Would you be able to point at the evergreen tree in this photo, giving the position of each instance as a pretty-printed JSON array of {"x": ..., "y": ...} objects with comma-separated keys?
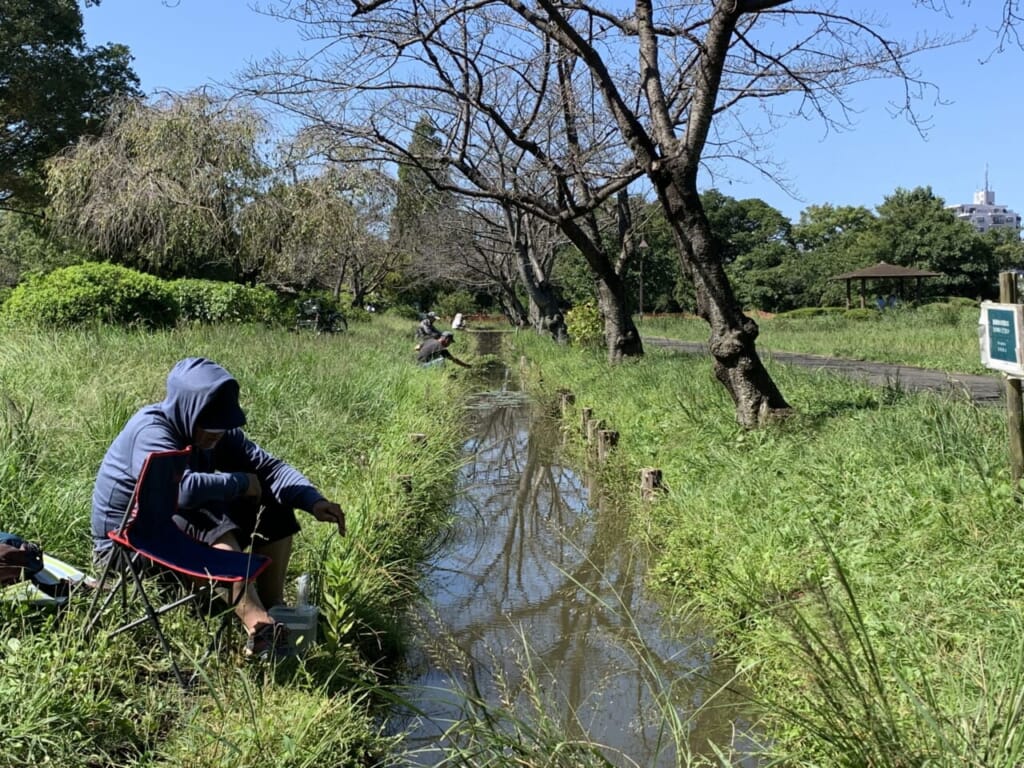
[{"x": 420, "y": 201}]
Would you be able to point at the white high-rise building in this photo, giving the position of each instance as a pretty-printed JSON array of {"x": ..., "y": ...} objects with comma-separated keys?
[{"x": 984, "y": 214}]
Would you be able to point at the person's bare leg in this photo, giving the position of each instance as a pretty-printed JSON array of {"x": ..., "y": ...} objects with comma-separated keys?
[
  {"x": 270, "y": 583},
  {"x": 249, "y": 609}
]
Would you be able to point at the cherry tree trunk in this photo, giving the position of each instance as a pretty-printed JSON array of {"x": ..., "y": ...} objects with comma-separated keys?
[
  {"x": 732, "y": 334},
  {"x": 621, "y": 336}
]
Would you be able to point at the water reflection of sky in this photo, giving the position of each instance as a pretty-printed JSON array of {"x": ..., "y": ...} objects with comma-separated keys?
[{"x": 529, "y": 568}]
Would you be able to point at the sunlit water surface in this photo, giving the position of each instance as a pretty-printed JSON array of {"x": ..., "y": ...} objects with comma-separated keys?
[{"x": 536, "y": 604}]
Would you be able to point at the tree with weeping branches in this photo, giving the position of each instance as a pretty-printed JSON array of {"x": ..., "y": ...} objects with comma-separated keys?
[{"x": 162, "y": 188}]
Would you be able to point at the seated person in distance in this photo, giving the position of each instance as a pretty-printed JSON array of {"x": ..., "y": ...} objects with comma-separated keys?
[{"x": 426, "y": 329}]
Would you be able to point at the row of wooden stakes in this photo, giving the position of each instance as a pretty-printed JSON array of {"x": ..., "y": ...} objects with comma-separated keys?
[{"x": 605, "y": 440}]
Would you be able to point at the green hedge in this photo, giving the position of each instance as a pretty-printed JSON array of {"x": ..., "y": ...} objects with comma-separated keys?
[
  {"x": 861, "y": 314},
  {"x": 811, "y": 312},
  {"x": 92, "y": 292},
  {"x": 210, "y": 301},
  {"x": 107, "y": 293}
]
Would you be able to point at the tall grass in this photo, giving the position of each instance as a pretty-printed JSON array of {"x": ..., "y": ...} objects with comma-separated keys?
[
  {"x": 863, "y": 560},
  {"x": 341, "y": 409}
]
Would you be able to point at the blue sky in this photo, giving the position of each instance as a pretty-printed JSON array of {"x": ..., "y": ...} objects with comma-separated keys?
[{"x": 184, "y": 45}]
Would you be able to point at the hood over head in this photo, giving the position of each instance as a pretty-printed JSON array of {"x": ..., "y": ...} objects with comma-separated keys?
[{"x": 201, "y": 393}]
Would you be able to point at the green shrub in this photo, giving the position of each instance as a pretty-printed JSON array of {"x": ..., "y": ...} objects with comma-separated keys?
[
  {"x": 452, "y": 303},
  {"x": 357, "y": 315},
  {"x": 91, "y": 292},
  {"x": 812, "y": 312},
  {"x": 861, "y": 314},
  {"x": 956, "y": 301},
  {"x": 212, "y": 301},
  {"x": 585, "y": 326}
]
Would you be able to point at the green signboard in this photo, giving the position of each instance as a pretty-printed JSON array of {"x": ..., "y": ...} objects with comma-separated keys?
[{"x": 1000, "y": 332}]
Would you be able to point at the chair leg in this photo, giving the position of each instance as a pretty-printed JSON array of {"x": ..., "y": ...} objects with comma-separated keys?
[
  {"x": 115, "y": 562},
  {"x": 121, "y": 562},
  {"x": 154, "y": 619}
]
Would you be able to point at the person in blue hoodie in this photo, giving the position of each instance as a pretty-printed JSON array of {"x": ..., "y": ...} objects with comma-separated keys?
[{"x": 233, "y": 495}]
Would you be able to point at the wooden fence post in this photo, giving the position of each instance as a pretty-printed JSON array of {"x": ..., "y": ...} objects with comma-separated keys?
[
  {"x": 565, "y": 402},
  {"x": 607, "y": 439},
  {"x": 1014, "y": 407},
  {"x": 650, "y": 483}
]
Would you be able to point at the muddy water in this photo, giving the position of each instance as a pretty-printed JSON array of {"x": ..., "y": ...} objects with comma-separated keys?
[{"x": 536, "y": 595}]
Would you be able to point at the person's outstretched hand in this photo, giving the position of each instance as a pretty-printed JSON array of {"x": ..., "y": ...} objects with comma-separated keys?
[{"x": 329, "y": 512}]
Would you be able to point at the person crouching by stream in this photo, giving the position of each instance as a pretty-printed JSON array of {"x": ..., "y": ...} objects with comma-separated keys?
[
  {"x": 233, "y": 494},
  {"x": 435, "y": 351}
]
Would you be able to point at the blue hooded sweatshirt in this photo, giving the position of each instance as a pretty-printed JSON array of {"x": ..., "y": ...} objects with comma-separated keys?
[{"x": 213, "y": 477}]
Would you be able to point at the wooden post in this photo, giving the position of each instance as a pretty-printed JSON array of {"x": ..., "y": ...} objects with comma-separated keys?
[
  {"x": 650, "y": 483},
  {"x": 593, "y": 427},
  {"x": 565, "y": 402},
  {"x": 587, "y": 414},
  {"x": 607, "y": 439},
  {"x": 1014, "y": 407}
]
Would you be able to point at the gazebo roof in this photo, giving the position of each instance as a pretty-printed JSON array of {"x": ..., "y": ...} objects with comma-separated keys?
[{"x": 883, "y": 270}]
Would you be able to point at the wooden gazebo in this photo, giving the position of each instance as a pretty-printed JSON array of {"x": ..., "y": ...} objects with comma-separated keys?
[{"x": 883, "y": 271}]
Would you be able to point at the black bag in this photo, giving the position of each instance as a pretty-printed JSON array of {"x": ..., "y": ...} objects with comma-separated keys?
[{"x": 19, "y": 559}]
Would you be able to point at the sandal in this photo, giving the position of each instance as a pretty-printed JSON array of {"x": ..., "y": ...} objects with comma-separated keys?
[{"x": 269, "y": 640}]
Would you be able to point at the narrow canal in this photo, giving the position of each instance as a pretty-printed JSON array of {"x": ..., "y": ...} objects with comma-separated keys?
[{"x": 536, "y": 607}]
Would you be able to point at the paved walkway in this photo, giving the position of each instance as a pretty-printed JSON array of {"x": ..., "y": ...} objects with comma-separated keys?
[{"x": 987, "y": 390}]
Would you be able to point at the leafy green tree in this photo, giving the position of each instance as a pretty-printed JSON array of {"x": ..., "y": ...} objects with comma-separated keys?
[
  {"x": 27, "y": 246},
  {"x": 755, "y": 242},
  {"x": 1007, "y": 247},
  {"x": 324, "y": 232},
  {"x": 53, "y": 90},
  {"x": 830, "y": 240},
  {"x": 162, "y": 189},
  {"x": 821, "y": 226},
  {"x": 914, "y": 229},
  {"x": 740, "y": 226}
]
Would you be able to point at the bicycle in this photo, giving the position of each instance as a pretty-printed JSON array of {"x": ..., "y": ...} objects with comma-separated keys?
[{"x": 314, "y": 316}]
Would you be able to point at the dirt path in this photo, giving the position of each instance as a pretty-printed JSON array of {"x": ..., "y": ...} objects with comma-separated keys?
[{"x": 986, "y": 390}]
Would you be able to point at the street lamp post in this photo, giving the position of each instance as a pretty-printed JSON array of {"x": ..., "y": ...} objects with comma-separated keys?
[{"x": 642, "y": 246}]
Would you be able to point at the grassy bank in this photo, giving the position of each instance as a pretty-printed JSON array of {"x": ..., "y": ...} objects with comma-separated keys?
[
  {"x": 863, "y": 561},
  {"x": 342, "y": 409},
  {"x": 939, "y": 336}
]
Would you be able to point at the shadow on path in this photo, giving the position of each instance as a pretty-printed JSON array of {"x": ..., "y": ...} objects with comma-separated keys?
[{"x": 984, "y": 390}]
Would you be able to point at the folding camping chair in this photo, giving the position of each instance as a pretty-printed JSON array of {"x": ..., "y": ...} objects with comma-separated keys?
[{"x": 148, "y": 537}]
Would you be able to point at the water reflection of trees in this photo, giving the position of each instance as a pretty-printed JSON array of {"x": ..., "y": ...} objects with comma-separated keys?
[{"x": 530, "y": 557}]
